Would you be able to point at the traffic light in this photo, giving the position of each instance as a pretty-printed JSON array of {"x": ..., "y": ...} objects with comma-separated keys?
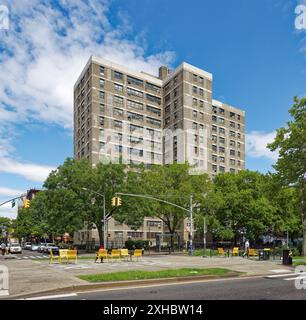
[
  {"x": 27, "y": 203},
  {"x": 116, "y": 201},
  {"x": 119, "y": 201},
  {"x": 13, "y": 203}
]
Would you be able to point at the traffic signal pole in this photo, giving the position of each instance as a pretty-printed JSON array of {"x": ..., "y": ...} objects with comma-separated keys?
[{"x": 172, "y": 204}]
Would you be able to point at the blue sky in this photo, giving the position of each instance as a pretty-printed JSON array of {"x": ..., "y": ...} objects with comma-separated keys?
[{"x": 257, "y": 57}]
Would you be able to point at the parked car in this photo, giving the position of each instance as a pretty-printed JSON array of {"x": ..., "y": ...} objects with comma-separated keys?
[
  {"x": 41, "y": 247},
  {"x": 34, "y": 247},
  {"x": 15, "y": 248},
  {"x": 27, "y": 246},
  {"x": 49, "y": 247}
]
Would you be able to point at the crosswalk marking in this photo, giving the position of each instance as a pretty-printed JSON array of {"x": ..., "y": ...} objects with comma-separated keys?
[
  {"x": 298, "y": 277},
  {"x": 280, "y": 275}
]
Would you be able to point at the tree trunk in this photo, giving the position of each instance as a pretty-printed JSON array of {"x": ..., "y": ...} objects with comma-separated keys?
[{"x": 100, "y": 232}]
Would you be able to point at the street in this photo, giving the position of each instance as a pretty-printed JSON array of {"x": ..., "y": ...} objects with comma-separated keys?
[
  {"x": 260, "y": 288},
  {"x": 25, "y": 255}
]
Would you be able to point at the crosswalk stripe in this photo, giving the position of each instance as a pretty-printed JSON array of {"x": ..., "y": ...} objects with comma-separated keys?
[
  {"x": 45, "y": 256},
  {"x": 299, "y": 277},
  {"x": 26, "y": 257},
  {"x": 280, "y": 275},
  {"x": 32, "y": 257}
]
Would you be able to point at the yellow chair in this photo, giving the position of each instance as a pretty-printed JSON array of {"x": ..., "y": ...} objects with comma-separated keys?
[
  {"x": 252, "y": 253},
  {"x": 72, "y": 255},
  {"x": 101, "y": 254},
  {"x": 137, "y": 254},
  {"x": 221, "y": 252},
  {"x": 124, "y": 254},
  {"x": 63, "y": 255},
  {"x": 115, "y": 254},
  {"x": 54, "y": 257},
  {"x": 235, "y": 251}
]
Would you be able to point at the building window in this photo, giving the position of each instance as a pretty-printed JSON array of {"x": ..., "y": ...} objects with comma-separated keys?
[
  {"x": 214, "y": 158},
  {"x": 154, "y": 110},
  {"x": 221, "y": 169},
  {"x": 135, "y": 116},
  {"x": 195, "y": 77},
  {"x": 201, "y": 115},
  {"x": 101, "y": 83},
  {"x": 153, "y": 121},
  {"x": 232, "y": 134},
  {"x": 194, "y": 90},
  {"x": 194, "y": 113},
  {"x": 222, "y": 159},
  {"x": 167, "y": 120},
  {"x": 118, "y": 112},
  {"x": 222, "y": 140},
  {"x": 232, "y": 162},
  {"x": 194, "y": 125},
  {"x": 214, "y": 118},
  {"x": 214, "y": 138},
  {"x": 102, "y": 71},
  {"x": 118, "y": 87},
  {"x": 214, "y": 148},
  {"x": 118, "y": 100},
  {"x": 118, "y": 75},
  {"x": 153, "y": 98},
  {"x": 221, "y": 120},
  {"x": 232, "y": 124},
  {"x": 133, "y": 92},
  {"x": 221, "y": 111},
  {"x": 101, "y": 95},
  {"x": 117, "y": 124},
  {"x": 214, "y": 128},
  {"x": 221, "y": 149},
  {"x": 222, "y": 131},
  {"x": 201, "y": 104},
  {"x": 232, "y": 152},
  {"x": 232, "y": 114},
  {"x": 194, "y": 101},
  {"x": 201, "y": 91},
  {"x": 238, "y": 116},
  {"x": 214, "y": 168},
  {"x": 102, "y": 146},
  {"x": 134, "y": 81},
  {"x": 232, "y": 170},
  {"x": 153, "y": 87},
  {"x": 134, "y": 105},
  {"x": 214, "y": 109},
  {"x": 232, "y": 143}
]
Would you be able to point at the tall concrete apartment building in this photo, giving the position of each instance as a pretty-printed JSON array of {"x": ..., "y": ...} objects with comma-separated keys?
[{"x": 172, "y": 117}]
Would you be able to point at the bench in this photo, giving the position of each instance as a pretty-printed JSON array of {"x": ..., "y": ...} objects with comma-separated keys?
[
  {"x": 54, "y": 257},
  {"x": 252, "y": 253},
  {"x": 124, "y": 254},
  {"x": 235, "y": 251},
  {"x": 137, "y": 254},
  {"x": 101, "y": 254},
  {"x": 115, "y": 253},
  {"x": 72, "y": 255},
  {"x": 221, "y": 251}
]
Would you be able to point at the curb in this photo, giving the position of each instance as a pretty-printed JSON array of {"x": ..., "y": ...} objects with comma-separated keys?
[{"x": 120, "y": 284}]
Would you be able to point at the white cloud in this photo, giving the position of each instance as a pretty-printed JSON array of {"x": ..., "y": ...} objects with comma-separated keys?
[
  {"x": 42, "y": 55},
  {"x": 46, "y": 49},
  {"x": 7, "y": 211},
  {"x": 256, "y": 145},
  {"x": 10, "y": 192},
  {"x": 30, "y": 171}
]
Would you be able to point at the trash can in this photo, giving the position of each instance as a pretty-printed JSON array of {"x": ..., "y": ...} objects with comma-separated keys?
[
  {"x": 287, "y": 259},
  {"x": 263, "y": 254}
]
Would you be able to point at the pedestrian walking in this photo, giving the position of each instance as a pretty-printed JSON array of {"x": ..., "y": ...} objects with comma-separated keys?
[
  {"x": 3, "y": 247},
  {"x": 246, "y": 247}
]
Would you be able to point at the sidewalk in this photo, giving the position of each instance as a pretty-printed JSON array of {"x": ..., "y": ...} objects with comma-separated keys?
[{"x": 29, "y": 277}]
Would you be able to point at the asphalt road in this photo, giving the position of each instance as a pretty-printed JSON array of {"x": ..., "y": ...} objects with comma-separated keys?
[
  {"x": 25, "y": 255},
  {"x": 260, "y": 288}
]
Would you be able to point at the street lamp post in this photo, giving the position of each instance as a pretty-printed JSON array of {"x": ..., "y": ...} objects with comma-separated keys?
[
  {"x": 104, "y": 219},
  {"x": 204, "y": 232},
  {"x": 191, "y": 227}
]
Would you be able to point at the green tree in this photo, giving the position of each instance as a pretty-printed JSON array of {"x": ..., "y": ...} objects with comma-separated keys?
[
  {"x": 290, "y": 141},
  {"x": 245, "y": 209}
]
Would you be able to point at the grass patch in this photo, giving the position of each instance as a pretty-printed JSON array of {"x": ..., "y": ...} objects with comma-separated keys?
[{"x": 169, "y": 273}]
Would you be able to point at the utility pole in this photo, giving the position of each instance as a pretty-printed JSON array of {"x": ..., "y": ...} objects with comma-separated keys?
[{"x": 191, "y": 227}]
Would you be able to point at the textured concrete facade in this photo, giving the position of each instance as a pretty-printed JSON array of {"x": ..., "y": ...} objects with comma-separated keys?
[{"x": 141, "y": 118}]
